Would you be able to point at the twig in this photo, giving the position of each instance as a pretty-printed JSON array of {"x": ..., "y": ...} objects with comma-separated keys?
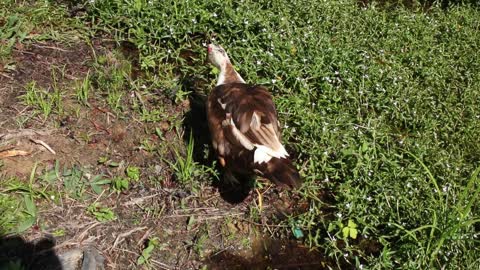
[
  {"x": 210, "y": 216},
  {"x": 122, "y": 236},
  {"x": 140, "y": 200},
  {"x": 162, "y": 265},
  {"x": 106, "y": 112},
  {"x": 137, "y": 94},
  {"x": 44, "y": 145},
  {"x": 6, "y": 76},
  {"x": 50, "y": 47},
  {"x": 13, "y": 153},
  {"x": 24, "y": 133},
  {"x": 82, "y": 235},
  {"x": 145, "y": 236}
]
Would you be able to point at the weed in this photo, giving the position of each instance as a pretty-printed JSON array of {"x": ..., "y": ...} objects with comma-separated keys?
[
  {"x": 74, "y": 182},
  {"x": 112, "y": 73},
  {"x": 186, "y": 169},
  {"x": 83, "y": 90},
  {"x": 102, "y": 214},
  {"x": 43, "y": 101},
  {"x": 120, "y": 184},
  {"x": 133, "y": 173},
  {"x": 153, "y": 243}
]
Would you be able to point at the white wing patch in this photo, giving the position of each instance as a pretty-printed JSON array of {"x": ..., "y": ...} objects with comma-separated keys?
[
  {"x": 240, "y": 137},
  {"x": 262, "y": 153},
  {"x": 224, "y": 105}
]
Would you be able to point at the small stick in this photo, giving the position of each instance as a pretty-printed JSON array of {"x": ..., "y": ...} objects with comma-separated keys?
[
  {"x": 44, "y": 145},
  {"x": 13, "y": 153},
  {"x": 140, "y": 200},
  {"x": 50, "y": 47},
  {"x": 24, "y": 133},
  {"x": 122, "y": 236},
  {"x": 145, "y": 236}
]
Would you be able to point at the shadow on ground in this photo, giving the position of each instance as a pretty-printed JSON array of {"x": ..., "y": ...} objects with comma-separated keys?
[
  {"x": 270, "y": 253},
  {"x": 16, "y": 253}
]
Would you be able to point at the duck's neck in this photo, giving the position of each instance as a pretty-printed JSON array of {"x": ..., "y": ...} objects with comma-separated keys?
[{"x": 228, "y": 75}]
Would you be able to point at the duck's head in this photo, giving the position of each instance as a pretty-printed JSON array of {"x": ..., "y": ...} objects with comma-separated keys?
[{"x": 217, "y": 56}]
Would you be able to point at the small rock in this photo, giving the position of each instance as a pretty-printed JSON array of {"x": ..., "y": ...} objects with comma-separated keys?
[{"x": 71, "y": 260}]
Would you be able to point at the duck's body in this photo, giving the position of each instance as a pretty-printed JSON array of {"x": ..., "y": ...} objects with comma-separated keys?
[{"x": 243, "y": 123}]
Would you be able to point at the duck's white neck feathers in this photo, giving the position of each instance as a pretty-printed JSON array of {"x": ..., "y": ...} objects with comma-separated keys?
[
  {"x": 228, "y": 74},
  {"x": 218, "y": 57}
]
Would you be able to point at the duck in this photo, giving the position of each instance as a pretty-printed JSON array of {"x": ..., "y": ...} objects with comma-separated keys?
[{"x": 244, "y": 127}]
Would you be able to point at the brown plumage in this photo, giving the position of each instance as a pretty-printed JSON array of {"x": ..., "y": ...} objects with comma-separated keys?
[{"x": 243, "y": 123}]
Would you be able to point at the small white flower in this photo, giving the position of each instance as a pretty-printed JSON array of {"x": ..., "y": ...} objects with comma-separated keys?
[
  {"x": 274, "y": 81},
  {"x": 259, "y": 62},
  {"x": 214, "y": 14}
]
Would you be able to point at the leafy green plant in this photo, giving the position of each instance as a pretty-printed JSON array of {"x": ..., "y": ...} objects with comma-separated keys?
[
  {"x": 120, "y": 184},
  {"x": 30, "y": 212},
  {"x": 133, "y": 173},
  {"x": 102, "y": 214},
  {"x": 147, "y": 251},
  {"x": 11, "y": 213},
  {"x": 74, "y": 182},
  {"x": 97, "y": 182}
]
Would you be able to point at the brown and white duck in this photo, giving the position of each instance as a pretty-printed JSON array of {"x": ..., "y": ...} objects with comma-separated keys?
[{"x": 243, "y": 124}]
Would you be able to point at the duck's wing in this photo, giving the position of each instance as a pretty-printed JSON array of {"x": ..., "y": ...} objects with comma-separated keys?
[{"x": 250, "y": 119}]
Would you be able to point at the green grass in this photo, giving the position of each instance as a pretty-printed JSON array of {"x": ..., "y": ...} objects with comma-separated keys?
[
  {"x": 380, "y": 105},
  {"x": 22, "y": 22},
  {"x": 43, "y": 101}
]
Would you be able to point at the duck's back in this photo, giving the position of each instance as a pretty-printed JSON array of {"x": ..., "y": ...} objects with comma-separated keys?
[{"x": 245, "y": 132}]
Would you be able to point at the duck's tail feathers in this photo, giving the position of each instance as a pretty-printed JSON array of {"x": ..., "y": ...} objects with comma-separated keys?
[{"x": 280, "y": 171}]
